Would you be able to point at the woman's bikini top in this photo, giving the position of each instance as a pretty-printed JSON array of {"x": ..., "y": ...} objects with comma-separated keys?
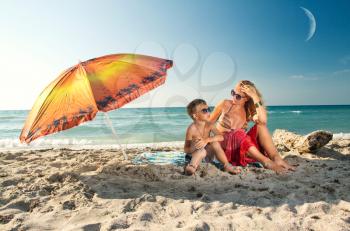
[{"x": 224, "y": 122}]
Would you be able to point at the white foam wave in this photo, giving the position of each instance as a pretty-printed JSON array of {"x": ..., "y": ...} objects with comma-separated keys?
[
  {"x": 15, "y": 143},
  {"x": 341, "y": 135},
  {"x": 283, "y": 112},
  {"x": 8, "y": 144}
]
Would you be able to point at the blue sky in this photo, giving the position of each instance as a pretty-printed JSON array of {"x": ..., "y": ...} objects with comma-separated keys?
[{"x": 213, "y": 44}]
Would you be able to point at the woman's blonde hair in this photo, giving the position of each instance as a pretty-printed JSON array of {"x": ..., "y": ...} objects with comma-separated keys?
[{"x": 249, "y": 106}]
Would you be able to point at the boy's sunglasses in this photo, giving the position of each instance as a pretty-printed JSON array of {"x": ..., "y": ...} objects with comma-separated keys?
[
  {"x": 237, "y": 96},
  {"x": 205, "y": 110}
]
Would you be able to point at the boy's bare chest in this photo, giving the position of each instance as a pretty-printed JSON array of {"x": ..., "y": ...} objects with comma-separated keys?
[{"x": 202, "y": 132}]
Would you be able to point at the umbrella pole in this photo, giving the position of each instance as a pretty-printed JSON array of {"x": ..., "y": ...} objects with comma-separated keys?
[{"x": 109, "y": 123}]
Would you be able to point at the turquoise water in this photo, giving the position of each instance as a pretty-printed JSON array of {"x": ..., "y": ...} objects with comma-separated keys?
[{"x": 149, "y": 125}]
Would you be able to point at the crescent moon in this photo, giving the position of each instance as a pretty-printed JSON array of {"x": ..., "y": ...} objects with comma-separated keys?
[{"x": 312, "y": 23}]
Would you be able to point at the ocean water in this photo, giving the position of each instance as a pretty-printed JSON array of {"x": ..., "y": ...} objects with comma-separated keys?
[{"x": 152, "y": 125}]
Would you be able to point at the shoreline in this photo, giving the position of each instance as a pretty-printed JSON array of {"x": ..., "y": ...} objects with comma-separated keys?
[
  {"x": 77, "y": 146},
  {"x": 171, "y": 144}
]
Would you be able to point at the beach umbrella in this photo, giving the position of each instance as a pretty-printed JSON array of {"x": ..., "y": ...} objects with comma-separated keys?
[{"x": 100, "y": 84}]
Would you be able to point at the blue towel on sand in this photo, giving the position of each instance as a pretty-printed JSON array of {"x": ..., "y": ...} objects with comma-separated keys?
[{"x": 176, "y": 158}]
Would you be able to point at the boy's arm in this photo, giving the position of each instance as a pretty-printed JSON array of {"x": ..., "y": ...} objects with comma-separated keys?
[
  {"x": 217, "y": 136},
  {"x": 188, "y": 140}
]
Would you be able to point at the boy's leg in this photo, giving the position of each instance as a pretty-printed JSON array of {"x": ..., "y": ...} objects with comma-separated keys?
[
  {"x": 210, "y": 153},
  {"x": 216, "y": 149},
  {"x": 254, "y": 153},
  {"x": 197, "y": 157}
]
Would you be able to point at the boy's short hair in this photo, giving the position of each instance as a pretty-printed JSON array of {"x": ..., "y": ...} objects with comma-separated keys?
[{"x": 192, "y": 105}]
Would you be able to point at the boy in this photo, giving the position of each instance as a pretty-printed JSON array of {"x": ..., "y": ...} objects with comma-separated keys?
[{"x": 199, "y": 144}]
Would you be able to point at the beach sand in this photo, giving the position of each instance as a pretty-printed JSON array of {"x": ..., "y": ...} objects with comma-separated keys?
[{"x": 96, "y": 189}]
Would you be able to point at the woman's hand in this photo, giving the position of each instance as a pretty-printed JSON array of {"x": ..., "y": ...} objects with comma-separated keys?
[
  {"x": 255, "y": 118},
  {"x": 261, "y": 114},
  {"x": 250, "y": 91},
  {"x": 279, "y": 161}
]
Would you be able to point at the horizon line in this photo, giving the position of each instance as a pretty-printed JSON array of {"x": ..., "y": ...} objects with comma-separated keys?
[{"x": 285, "y": 105}]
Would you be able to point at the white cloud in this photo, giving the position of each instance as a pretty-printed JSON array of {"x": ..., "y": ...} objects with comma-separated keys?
[
  {"x": 345, "y": 60},
  {"x": 303, "y": 77},
  {"x": 296, "y": 77},
  {"x": 342, "y": 73}
]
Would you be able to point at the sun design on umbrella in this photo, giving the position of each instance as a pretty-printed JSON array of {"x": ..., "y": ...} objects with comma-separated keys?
[{"x": 99, "y": 84}]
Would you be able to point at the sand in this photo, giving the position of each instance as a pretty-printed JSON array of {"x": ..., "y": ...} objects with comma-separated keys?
[{"x": 96, "y": 189}]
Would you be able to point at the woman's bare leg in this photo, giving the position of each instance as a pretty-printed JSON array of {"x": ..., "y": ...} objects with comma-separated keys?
[
  {"x": 216, "y": 149},
  {"x": 265, "y": 140},
  {"x": 254, "y": 153}
]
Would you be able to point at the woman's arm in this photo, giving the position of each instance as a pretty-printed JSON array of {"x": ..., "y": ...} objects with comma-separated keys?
[
  {"x": 261, "y": 115},
  {"x": 217, "y": 112}
]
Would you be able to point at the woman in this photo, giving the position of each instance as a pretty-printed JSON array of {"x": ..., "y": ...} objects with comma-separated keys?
[{"x": 232, "y": 117}]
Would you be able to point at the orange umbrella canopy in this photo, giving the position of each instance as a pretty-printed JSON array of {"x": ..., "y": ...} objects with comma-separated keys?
[{"x": 99, "y": 84}]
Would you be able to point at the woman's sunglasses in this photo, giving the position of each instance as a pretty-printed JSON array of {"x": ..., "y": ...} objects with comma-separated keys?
[
  {"x": 237, "y": 96},
  {"x": 205, "y": 110}
]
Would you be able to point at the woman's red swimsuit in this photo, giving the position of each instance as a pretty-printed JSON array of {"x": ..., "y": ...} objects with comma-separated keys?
[{"x": 236, "y": 144}]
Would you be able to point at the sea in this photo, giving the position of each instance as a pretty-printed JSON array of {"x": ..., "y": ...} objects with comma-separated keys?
[{"x": 168, "y": 124}]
